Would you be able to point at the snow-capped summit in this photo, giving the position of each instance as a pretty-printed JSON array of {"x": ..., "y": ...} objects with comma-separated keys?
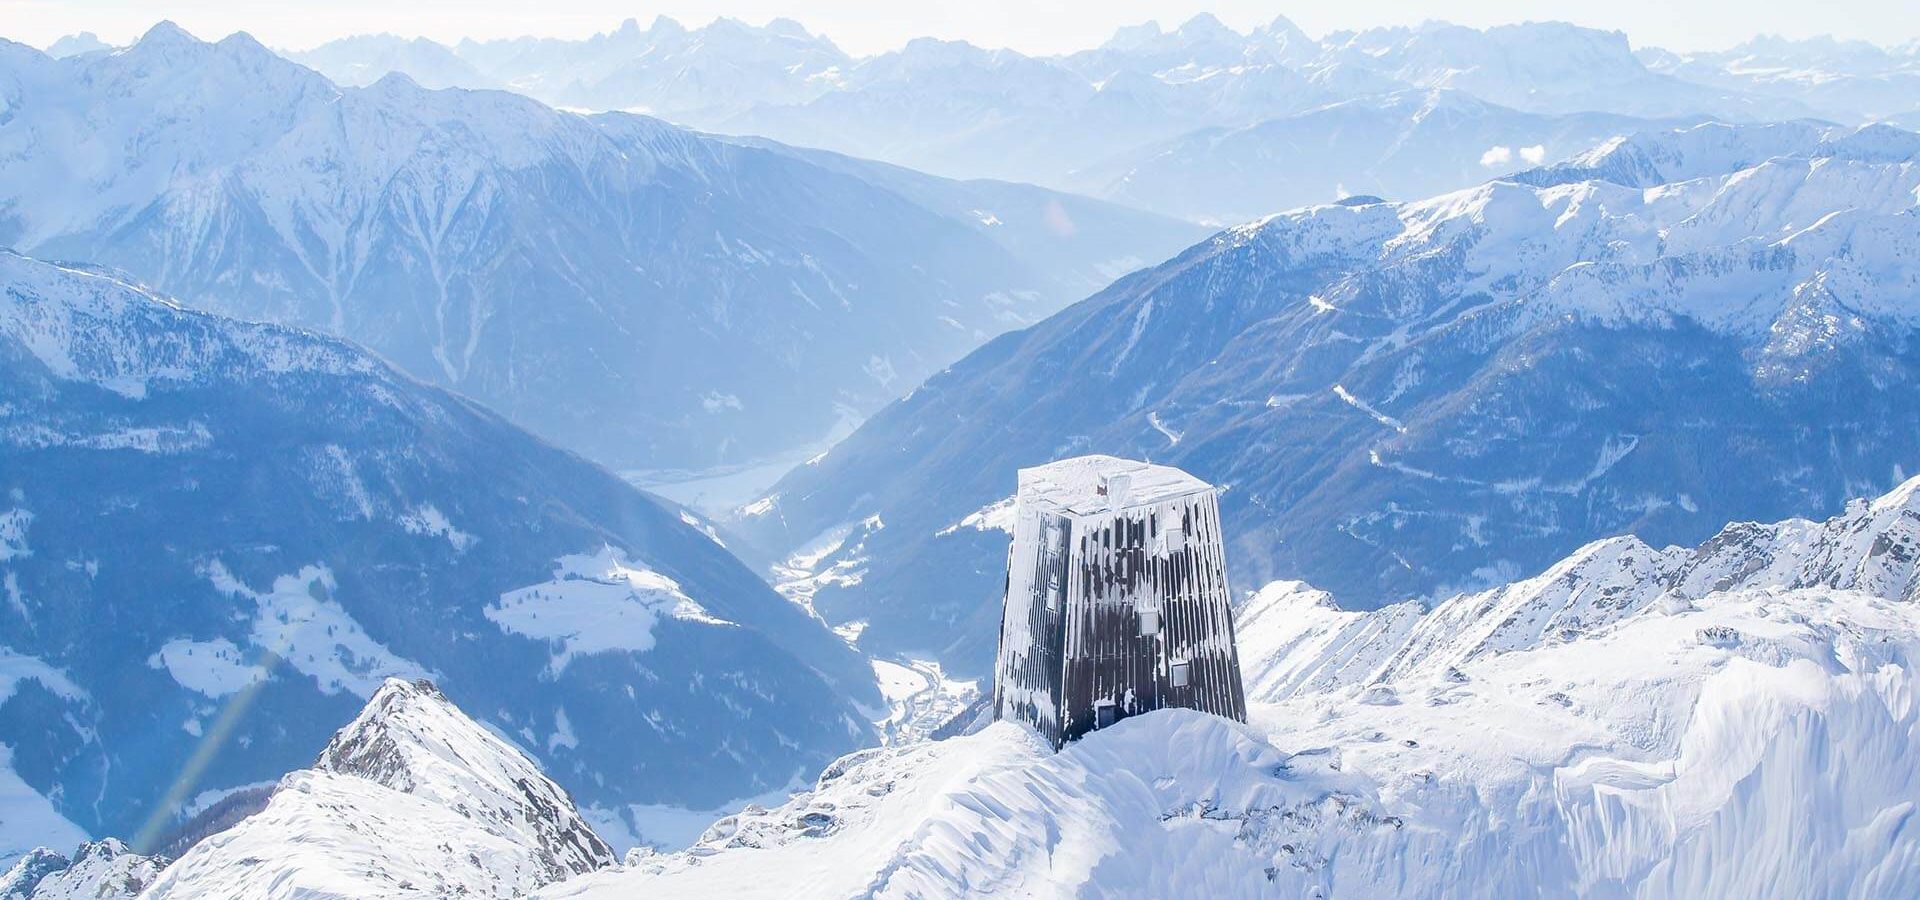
[
  {"x": 412, "y": 739},
  {"x": 411, "y": 799}
]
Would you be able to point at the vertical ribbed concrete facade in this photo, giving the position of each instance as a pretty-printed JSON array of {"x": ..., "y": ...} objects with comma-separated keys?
[{"x": 1116, "y": 600}]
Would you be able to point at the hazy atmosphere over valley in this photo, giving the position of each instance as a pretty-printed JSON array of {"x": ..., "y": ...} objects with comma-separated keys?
[{"x": 833, "y": 449}]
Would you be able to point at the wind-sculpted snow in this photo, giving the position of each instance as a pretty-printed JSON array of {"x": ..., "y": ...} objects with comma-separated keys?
[
  {"x": 411, "y": 799},
  {"x": 590, "y": 277},
  {"x": 1630, "y": 723},
  {"x": 230, "y": 599},
  {"x": 1404, "y": 399}
]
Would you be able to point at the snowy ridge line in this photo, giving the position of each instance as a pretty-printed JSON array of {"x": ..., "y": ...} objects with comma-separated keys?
[
  {"x": 96, "y": 327},
  {"x": 1301, "y": 641}
]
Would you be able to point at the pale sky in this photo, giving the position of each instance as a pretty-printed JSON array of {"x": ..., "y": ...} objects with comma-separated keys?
[{"x": 870, "y": 26}]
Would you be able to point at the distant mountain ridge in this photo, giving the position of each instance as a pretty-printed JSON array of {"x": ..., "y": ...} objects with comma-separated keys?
[
  {"x": 650, "y": 297},
  {"x": 1137, "y": 119},
  {"x": 1408, "y": 399}
]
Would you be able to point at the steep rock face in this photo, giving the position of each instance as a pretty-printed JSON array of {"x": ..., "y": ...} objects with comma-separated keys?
[
  {"x": 411, "y": 799},
  {"x": 1405, "y": 399},
  {"x": 645, "y": 295},
  {"x": 218, "y": 537}
]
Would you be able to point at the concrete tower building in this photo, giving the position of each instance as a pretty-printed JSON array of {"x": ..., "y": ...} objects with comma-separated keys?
[{"x": 1117, "y": 599}]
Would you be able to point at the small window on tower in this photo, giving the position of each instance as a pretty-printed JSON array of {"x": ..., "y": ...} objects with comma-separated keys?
[
  {"x": 1181, "y": 674},
  {"x": 1149, "y": 622}
]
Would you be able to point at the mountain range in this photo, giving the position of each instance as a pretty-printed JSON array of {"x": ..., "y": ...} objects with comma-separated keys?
[
  {"x": 1172, "y": 108},
  {"x": 1516, "y": 355},
  {"x": 647, "y": 296},
  {"x": 217, "y": 538},
  {"x": 1672, "y": 331}
]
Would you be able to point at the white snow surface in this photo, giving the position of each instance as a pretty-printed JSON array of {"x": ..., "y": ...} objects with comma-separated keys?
[
  {"x": 298, "y": 620},
  {"x": 411, "y": 799},
  {"x": 599, "y": 602},
  {"x": 1735, "y": 720},
  {"x": 1081, "y": 484},
  {"x": 215, "y": 668}
]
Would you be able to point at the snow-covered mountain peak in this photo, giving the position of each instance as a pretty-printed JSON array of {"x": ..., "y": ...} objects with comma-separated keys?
[
  {"x": 665, "y": 25},
  {"x": 411, "y": 739},
  {"x": 410, "y": 799},
  {"x": 1571, "y": 238},
  {"x": 77, "y": 44},
  {"x": 166, "y": 33},
  {"x": 790, "y": 28},
  {"x": 106, "y": 869},
  {"x": 1206, "y": 26}
]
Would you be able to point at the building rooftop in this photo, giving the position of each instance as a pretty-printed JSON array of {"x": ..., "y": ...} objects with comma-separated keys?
[{"x": 1096, "y": 484}]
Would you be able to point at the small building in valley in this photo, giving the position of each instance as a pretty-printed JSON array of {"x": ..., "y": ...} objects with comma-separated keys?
[{"x": 1117, "y": 599}]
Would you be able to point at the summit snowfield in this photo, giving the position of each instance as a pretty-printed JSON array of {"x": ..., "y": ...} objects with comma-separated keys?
[
  {"x": 1669, "y": 332},
  {"x": 1623, "y": 724},
  {"x": 217, "y": 538},
  {"x": 644, "y": 295}
]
